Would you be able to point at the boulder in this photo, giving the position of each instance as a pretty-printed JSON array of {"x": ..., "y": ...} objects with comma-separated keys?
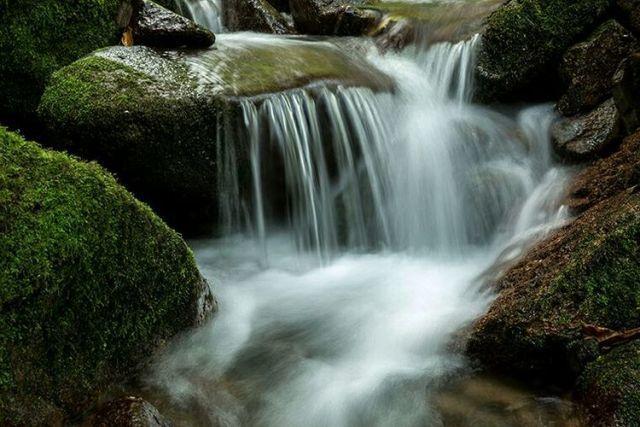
[
  {"x": 155, "y": 118},
  {"x": 609, "y": 388},
  {"x": 523, "y": 42},
  {"x": 588, "y": 136},
  {"x": 588, "y": 67},
  {"x": 91, "y": 282},
  {"x": 584, "y": 274},
  {"x": 626, "y": 88},
  {"x": 127, "y": 412},
  {"x": 38, "y": 37},
  {"x": 157, "y": 26},
  {"x": 255, "y": 15},
  {"x": 331, "y": 17}
]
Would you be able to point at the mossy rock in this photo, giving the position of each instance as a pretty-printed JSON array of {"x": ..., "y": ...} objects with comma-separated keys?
[
  {"x": 584, "y": 274},
  {"x": 38, "y": 37},
  {"x": 609, "y": 388},
  {"x": 154, "y": 117},
  {"x": 523, "y": 42},
  {"x": 91, "y": 281}
]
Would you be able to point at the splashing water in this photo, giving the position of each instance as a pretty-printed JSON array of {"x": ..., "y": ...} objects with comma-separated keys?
[{"x": 396, "y": 204}]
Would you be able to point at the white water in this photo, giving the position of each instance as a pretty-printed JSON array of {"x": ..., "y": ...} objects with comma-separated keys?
[
  {"x": 207, "y": 13},
  {"x": 397, "y": 203}
]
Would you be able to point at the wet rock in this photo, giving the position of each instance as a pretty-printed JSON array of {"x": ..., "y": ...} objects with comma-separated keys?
[
  {"x": 154, "y": 118},
  {"x": 127, "y": 412},
  {"x": 157, "y": 26},
  {"x": 626, "y": 88},
  {"x": 331, "y": 17},
  {"x": 585, "y": 273},
  {"x": 588, "y": 136},
  {"x": 37, "y": 37},
  {"x": 255, "y": 15},
  {"x": 403, "y": 23},
  {"x": 588, "y": 67},
  {"x": 523, "y": 42},
  {"x": 91, "y": 283},
  {"x": 609, "y": 388}
]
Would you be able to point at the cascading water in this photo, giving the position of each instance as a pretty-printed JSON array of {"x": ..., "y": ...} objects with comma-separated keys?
[
  {"x": 397, "y": 203},
  {"x": 207, "y": 13}
]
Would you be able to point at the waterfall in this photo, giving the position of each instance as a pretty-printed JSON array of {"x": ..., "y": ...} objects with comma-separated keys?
[
  {"x": 358, "y": 224},
  {"x": 207, "y": 13}
]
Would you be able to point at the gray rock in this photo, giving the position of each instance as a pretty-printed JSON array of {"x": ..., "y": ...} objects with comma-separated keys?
[
  {"x": 157, "y": 26},
  {"x": 255, "y": 15},
  {"x": 588, "y": 136},
  {"x": 331, "y": 17},
  {"x": 588, "y": 67}
]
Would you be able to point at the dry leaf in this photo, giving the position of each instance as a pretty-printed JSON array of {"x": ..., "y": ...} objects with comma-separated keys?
[{"x": 127, "y": 37}]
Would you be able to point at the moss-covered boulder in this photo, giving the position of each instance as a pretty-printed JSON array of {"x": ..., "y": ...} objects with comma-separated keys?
[
  {"x": 609, "y": 388},
  {"x": 154, "y": 118},
  {"x": 38, "y": 37},
  {"x": 91, "y": 281},
  {"x": 584, "y": 274},
  {"x": 523, "y": 42},
  {"x": 332, "y": 17}
]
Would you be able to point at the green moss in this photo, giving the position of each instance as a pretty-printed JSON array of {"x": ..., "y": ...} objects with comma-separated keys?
[
  {"x": 601, "y": 281},
  {"x": 151, "y": 128},
  {"x": 266, "y": 67},
  {"x": 90, "y": 279},
  {"x": 39, "y": 36},
  {"x": 525, "y": 39},
  {"x": 610, "y": 387}
]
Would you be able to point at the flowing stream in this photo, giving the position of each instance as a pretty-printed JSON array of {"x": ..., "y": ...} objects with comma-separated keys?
[{"x": 355, "y": 245}]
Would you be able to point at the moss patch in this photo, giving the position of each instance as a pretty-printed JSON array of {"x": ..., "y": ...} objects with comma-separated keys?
[
  {"x": 148, "y": 124},
  {"x": 38, "y": 37},
  {"x": 610, "y": 387},
  {"x": 90, "y": 281},
  {"x": 524, "y": 41}
]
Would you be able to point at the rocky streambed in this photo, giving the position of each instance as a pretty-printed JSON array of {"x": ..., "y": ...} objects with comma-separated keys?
[{"x": 95, "y": 283}]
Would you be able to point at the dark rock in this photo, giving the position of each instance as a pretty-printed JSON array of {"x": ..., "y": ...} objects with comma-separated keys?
[
  {"x": 588, "y": 67},
  {"x": 523, "y": 42},
  {"x": 255, "y": 15},
  {"x": 127, "y": 412},
  {"x": 331, "y": 17},
  {"x": 157, "y": 26},
  {"x": 626, "y": 92},
  {"x": 588, "y": 136},
  {"x": 629, "y": 12},
  {"x": 92, "y": 282},
  {"x": 585, "y": 273}
]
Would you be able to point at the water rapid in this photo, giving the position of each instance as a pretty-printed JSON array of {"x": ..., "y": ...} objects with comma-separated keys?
[{"x": 358, "y": 224}]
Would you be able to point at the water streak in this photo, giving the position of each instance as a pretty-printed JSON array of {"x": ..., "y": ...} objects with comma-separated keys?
[{"x": 208, "y": 13}]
